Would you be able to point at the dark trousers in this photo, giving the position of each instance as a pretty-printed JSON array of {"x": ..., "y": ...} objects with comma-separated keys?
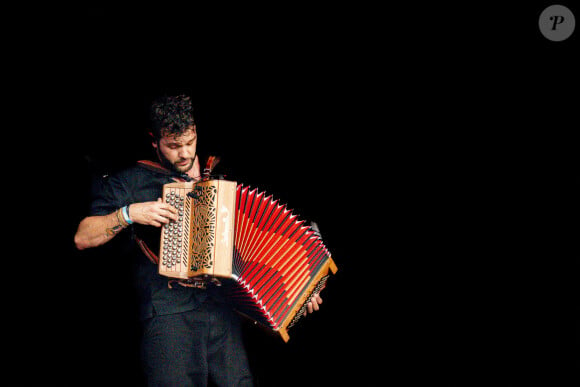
[{"x": 185, "y": 349}]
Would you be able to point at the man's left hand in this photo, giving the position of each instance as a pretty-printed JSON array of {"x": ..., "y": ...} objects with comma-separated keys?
[{"x": 314, "y": 304}]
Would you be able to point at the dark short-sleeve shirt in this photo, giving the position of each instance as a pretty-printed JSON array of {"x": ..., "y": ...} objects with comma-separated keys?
[{"x": 134, "y": 185}]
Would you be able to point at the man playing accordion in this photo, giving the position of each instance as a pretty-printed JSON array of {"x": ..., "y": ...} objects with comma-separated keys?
[{"x": 190, "y": 334}]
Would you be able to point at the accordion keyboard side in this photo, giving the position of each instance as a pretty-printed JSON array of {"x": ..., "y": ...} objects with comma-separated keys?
[
  {"x": 174, "y": 253},
  {"x": 200, "y": 243}
]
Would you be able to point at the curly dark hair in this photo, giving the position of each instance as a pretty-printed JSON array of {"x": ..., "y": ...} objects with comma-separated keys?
[{"x": 171, "y": 116}]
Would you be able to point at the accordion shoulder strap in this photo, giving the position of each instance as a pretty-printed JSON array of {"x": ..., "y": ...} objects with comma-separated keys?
[
  {"x": 154, "y": 166},
  {"x": 212, "y": 161},
  {"x": 210, "y": 164},
  {"x": 147, "y": 251}
]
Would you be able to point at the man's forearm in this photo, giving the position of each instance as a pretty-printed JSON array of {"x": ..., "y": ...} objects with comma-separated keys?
[
  {"x": 94, "y": 231},
  {"x": 97, "y": 230}
]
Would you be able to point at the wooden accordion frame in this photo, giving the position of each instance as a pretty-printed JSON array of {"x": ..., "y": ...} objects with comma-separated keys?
[{"x": 270, "y": 262}]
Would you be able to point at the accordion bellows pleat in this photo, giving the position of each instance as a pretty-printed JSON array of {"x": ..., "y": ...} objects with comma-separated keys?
[{"x": 270, "y": 261}]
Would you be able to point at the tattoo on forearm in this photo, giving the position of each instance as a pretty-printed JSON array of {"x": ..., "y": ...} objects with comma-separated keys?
[{"x": 113, "y": 230}]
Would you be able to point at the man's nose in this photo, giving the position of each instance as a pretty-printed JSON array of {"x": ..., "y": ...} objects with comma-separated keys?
[{"x": 186, "y": 152}]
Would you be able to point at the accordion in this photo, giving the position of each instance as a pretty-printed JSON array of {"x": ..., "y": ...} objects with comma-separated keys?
[{"x": 270, "y": 262}]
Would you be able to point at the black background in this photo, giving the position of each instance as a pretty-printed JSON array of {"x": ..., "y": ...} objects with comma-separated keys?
[{"x": 414, "y": 136}]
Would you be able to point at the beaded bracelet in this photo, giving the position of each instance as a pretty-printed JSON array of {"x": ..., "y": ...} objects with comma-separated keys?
[{"x": 121, "y": 218}]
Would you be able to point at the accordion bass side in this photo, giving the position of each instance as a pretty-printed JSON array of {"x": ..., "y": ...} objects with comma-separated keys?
[{"x": 270, "y": 262}]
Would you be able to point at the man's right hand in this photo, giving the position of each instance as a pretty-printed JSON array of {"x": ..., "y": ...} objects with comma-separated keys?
[{"x": 152, "y": 213}]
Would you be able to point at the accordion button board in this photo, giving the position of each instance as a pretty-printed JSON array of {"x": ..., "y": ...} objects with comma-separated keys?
[{"x": 173, "y": 232}]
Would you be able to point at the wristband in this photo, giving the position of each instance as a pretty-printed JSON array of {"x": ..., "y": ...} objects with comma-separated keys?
[{"x": 125, "y": 212}]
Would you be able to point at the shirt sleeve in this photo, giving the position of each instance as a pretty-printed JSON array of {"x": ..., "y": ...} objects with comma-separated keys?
[{"x": 108, "y": 194}]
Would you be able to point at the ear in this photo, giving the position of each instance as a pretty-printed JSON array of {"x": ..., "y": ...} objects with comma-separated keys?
[{"x": 153, "y": 142}]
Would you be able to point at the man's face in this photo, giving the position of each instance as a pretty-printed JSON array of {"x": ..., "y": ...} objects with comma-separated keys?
[{"x": 179, "y": 152}]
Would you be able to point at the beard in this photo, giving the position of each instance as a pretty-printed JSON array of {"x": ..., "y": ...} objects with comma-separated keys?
[
  {"x": 183, "y": 166},
  {"x": 180, "y": 166}
]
